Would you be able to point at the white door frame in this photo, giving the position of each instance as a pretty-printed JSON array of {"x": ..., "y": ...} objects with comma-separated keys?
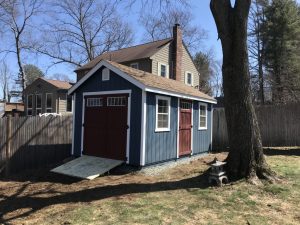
[{"x": 128, "y": 115}]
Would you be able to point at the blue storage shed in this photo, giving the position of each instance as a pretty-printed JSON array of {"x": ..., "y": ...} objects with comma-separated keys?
[{"x": 127, "y": 114}]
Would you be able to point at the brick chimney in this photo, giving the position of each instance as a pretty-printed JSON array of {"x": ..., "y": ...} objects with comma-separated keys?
[{"x": 177, "y": 52}]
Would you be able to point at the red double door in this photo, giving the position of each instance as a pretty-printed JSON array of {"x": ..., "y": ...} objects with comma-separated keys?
[
  {"x": 105, "y": 126},
  {"x": 185, "y": 128}
]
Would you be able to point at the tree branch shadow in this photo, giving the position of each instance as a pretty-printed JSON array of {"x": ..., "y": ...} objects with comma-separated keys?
[{"x": 36, "y": 203}]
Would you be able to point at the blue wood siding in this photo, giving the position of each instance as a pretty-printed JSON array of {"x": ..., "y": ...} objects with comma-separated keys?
[
  {"x": 201, "y": 138},
  {"x": 160, "y": 146},
  {"x": 95, "y": 84}
]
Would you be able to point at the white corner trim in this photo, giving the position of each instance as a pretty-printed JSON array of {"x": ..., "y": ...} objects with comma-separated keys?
[
  {"x": 143, "y": 129},
  {"x": 82, "y": 124},
  {"x": 128, "y": 130},
  {"x": 211, "y": 128},
  {"x": 73, "y": 128},
  {"x": 158, "y": 97},
  {"x": 192, "y": 129},
  {"x": 202, "y": 104},
  {"x": 178, "y": 120}
]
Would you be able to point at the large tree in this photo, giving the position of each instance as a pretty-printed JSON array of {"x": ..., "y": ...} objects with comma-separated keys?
[
  {"x": 81, "y": 30},
  {"x": 245, "y": 158},
  {"x": 257, "y": 41},
  {"x": 282, "y": 50}
]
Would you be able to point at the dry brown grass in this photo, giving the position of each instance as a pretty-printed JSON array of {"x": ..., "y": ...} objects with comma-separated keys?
[{"x": 180, "y": 195}]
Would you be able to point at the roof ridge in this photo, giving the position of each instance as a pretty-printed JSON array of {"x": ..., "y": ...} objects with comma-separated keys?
[
  {"x": 136, "y": 45},
  {"x": 46, "y": 79}
]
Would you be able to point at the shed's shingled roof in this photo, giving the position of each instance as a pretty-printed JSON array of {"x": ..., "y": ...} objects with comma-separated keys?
[
  {"x": 59, "y": 83},
  {"x": 155, "y": 81},
  {"x": 128, "y": 54}
]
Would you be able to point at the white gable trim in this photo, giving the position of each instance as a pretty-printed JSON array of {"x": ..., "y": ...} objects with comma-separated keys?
[
  {"x": 136, "y": 83},
  {"x": 112, "y": 68}
]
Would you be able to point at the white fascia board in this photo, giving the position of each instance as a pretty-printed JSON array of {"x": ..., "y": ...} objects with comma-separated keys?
[
  {"x": 179, "y": 95},
  {"x": 112, "y": 68}
]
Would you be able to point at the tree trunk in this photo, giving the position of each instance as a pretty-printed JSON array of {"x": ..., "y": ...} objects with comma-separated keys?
[{"x": 246, "y": 158}]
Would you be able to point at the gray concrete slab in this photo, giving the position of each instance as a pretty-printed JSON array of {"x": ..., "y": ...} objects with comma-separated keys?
[{"x": 87, "y": 167}]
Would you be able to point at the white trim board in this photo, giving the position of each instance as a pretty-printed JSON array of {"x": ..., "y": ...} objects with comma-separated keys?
[{"x": 136, "y": 83}]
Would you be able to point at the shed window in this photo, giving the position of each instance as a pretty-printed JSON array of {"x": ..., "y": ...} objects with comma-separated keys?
[
  {"x": 94, "y": 102},
  {"x": 29, "y": 105},
  {"x": 202, "y": 116},
  {"x": 38, "y": 103},
  {"x": 162, "y": 113},
  {"x": 105, "y": 74},
  {"x": 189, "y": 78},
  {"x": 48, "y": 103},
  {"x": 116, "y": 101},
  {"x": 69, "y": 103},
  {"x": 163, "y": 70},
  {"x": 134, "y": 65}
]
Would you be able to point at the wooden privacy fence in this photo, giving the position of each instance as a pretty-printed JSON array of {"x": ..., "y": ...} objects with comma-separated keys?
[
  {"x": 34, "y": 142},
  {"x": 279, "y": 126}
]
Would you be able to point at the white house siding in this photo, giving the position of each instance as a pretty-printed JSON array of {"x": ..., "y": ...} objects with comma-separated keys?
[
  {"x": 62, "y": 102},
  {"x": 162, "y": 56},
  {"x": 188, "y": 65},
  {"x": 165, "y": 56}
]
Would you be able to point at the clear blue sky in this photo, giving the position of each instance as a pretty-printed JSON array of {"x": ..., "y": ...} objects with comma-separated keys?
[{"x": 202, "y": 17}]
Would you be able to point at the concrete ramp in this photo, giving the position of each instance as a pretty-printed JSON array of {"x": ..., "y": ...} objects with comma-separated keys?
[{"x": 87, "y": 167}]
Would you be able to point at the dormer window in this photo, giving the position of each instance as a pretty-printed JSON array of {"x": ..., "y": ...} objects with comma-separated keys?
[
  {"x": 189, "y": 78},
  {"x": 134, "y": 65},
  {"x": 163, "y": 70}
]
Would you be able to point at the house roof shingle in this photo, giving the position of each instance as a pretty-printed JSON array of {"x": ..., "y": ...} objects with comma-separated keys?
[
  {"x": 128, "y": 54},
  {"x": 59, "y": 84},
  {"x": 155, "y": 81}
]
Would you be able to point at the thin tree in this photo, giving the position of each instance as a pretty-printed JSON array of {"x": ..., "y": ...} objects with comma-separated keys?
[
  {"x": 5, "y": 81},
  {"x": 81, "y": 30},
  {"x": 257, "y": 41},
  {"x": 245, "y": 158},
  {"x": 16, "y": 18}
]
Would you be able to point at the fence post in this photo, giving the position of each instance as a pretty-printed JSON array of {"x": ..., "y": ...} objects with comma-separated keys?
[{"x": 8, "y": 144}]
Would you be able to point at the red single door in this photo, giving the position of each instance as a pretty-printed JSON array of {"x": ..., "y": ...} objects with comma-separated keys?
[
  {"x": 105, "y": 126},
  {"x": 185, "y": 128}
]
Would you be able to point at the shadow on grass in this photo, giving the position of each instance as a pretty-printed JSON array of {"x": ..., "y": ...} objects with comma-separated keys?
[
  {"x": 273, "y": 151},
  {"x": 34, "y": 202}
]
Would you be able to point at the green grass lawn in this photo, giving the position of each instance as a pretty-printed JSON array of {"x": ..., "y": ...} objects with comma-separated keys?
[{"x": 174, "y": 197}]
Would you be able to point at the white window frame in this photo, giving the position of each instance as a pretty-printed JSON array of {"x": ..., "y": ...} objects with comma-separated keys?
[
  {"x": 186, "y": 78},
  {"x": 199, "y": 116},
  {"x": 159, "y": 69},
  {"x": 115, "y": 105},
  {"x": 67, "y": 103},
  {"x": 94, "y": 100},
  {"x": 103, "y": 75},
  {"x": 134, "y": 64},
  {"x": 36, "y": 108},
  {"x": 168, "y": 99},
  {"x": 51, "y": 102},
  {"x": 31, "y": 105}
]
